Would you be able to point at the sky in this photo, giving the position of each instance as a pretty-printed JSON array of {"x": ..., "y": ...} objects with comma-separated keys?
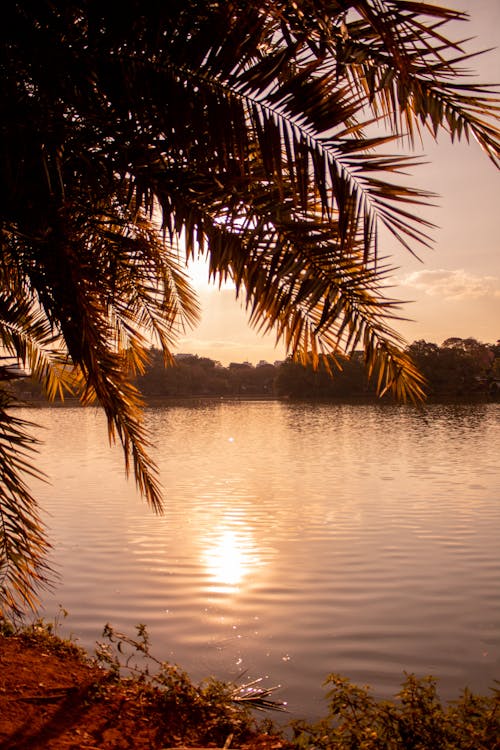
[{"x": 454, "y": 287}]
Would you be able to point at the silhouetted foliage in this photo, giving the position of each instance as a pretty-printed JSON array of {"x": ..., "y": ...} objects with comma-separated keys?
[
  {"x": 459, "y": 368},
  {"x": 297, "y": 381}
]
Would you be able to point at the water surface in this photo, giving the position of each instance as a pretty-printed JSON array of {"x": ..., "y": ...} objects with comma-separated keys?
[{"x": 297, "y": 540}]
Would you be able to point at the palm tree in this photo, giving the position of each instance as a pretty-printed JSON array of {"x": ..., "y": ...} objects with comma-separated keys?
[{"x": 254, "y": 133}]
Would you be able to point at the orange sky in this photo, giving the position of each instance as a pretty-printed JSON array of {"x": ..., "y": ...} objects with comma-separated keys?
[{"x": 456, "y": 288}]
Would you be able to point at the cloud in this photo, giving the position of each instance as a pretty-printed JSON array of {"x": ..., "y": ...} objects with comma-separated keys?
[{"x": 453, "y": 285}]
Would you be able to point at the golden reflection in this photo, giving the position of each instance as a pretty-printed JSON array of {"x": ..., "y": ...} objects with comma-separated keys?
[{"x": 230, "y": 557}]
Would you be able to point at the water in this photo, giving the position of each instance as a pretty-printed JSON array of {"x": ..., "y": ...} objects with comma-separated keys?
[{"x": 297, "y": 540}]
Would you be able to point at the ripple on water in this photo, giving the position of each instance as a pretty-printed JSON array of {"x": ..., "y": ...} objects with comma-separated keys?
[{"x": 361, "y": 540}]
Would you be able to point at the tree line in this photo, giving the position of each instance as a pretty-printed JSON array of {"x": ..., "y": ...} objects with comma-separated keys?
[{"x": 459, "y": 368}]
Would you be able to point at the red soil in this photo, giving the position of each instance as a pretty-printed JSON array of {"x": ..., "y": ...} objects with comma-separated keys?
[{"x": 51, "y": 696}]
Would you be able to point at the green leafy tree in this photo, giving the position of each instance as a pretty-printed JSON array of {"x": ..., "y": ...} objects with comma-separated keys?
[
  {"x": 415, "y": 720},
  {"x": 137, "y": 137}
]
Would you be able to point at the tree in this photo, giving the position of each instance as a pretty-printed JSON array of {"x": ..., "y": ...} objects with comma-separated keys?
[
  {"x": 460, "y": 367},
  {"x": 253, "y": 133}
]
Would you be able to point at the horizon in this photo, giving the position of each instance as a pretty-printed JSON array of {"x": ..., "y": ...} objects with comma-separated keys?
[{"x": 277, "y": 361}]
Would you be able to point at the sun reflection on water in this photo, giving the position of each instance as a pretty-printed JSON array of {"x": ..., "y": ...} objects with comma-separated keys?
[{"x": 230, "y": 557}]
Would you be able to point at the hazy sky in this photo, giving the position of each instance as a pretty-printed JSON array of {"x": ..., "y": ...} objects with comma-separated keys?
[{"x": 455, "y": 289}]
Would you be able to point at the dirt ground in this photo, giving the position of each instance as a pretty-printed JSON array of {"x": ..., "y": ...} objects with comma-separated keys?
[{"x": 54, "y": 698}]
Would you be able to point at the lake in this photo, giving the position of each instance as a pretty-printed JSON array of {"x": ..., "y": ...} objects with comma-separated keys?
[{"x": 297, "y": 540}]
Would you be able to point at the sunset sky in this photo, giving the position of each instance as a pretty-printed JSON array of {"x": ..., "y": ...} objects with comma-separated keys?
[{"x": 455, "y": 289}]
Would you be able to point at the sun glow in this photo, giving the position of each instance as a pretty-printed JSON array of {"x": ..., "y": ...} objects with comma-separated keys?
[
  {"x": 198, "y": 271},
  {"x": 231, "y": 557}
]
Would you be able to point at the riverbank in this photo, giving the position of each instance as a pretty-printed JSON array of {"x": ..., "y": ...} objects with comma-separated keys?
[{"x": 52, "y": 695}]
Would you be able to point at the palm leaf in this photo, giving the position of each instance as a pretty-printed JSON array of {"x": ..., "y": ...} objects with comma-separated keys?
[{"x": 23, "y": 543}]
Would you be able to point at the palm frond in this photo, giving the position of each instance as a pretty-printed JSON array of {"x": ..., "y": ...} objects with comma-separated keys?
[
  {"x": 23, "y": 542},
  {"x": 27, "y": 340},
  {"x": 291, "y": 289}
]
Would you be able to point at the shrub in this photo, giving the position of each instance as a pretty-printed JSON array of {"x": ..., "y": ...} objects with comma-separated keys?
[{"x": 415, "y": 720}]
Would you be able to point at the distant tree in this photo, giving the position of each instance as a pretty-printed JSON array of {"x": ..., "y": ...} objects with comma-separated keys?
[
  {"x": 137, "y": 135},
  {"x": 264, "y": 378},
  {"x": 422, "y": 349},
  {"x": 460, "y": 367},
  {"x": 299, "y": 381}
]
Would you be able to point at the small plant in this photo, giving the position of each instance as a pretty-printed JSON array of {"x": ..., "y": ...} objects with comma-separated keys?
[
  {"x": 415, "y": 720},
  {"x": 44, "y": 634},
  {"x": 222, "y": 709}
]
